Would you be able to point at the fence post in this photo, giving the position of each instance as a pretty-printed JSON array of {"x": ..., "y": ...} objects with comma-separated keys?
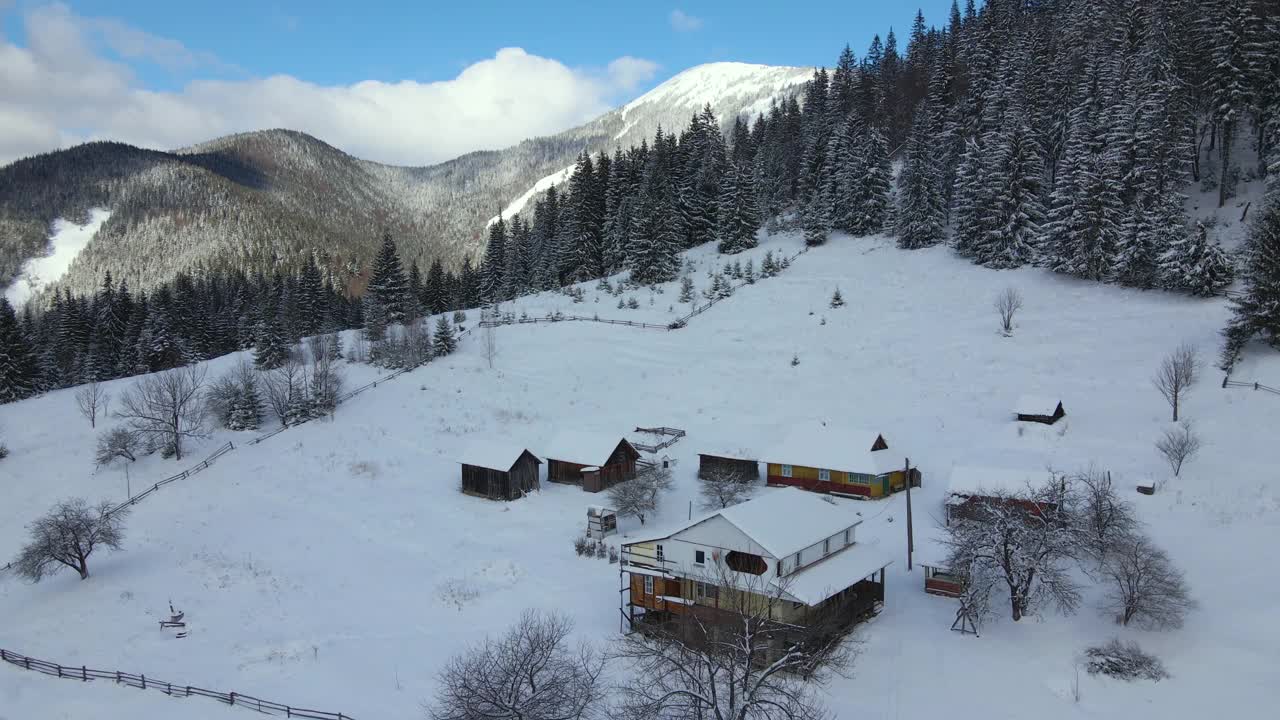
[
  {"x": 59, "y": 670},
  {"x": 26, "y": 662},
  {"x": 233, "y": 698},
  {"x": 1255, "y": 386},
  {"x": 84, "y": 674},
  {"x": 144, "y": 681},
  {"x": 117, "y": 677}
]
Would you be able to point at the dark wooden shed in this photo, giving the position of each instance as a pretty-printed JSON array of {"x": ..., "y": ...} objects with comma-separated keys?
[
  {"x": 570, "y": 453},
  {"x": 1033, "y": 408},
  {"x": 499, "y": 473},
  {"x": 746, "y": 468}
]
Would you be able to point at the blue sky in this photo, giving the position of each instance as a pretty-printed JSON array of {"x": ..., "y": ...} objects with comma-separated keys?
[{"x": 163, "y": 73}]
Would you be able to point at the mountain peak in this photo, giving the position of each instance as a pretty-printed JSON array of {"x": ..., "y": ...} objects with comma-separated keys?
[{"x": 722, "y": 85}]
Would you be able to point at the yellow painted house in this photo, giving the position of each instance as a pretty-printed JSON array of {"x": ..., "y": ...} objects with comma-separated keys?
[{"x": 834, "y": 459}]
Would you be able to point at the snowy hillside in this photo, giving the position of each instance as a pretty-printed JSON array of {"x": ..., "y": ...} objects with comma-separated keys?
[{"x": 337, "y": 566}]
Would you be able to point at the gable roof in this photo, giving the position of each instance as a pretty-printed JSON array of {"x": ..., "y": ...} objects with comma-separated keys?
[
  {"x": 783, "y": 521},
  {"x": 833, "y": 447},
  {"x": 494, "y": 454},
  {"x": 977, "y": 480},
  {"x": 1036, "y": 405},
  {"x": 582, "y": 446}
]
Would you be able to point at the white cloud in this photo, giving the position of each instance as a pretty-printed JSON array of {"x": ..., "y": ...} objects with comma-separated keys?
[
  {"x": 60, "y": 90},
  {"x": 684, "y": 22}
]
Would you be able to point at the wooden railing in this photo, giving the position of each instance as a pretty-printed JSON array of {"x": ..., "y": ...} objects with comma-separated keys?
[
  {"x": 133, "y": 499},
  {"x": 673, "y": 436},
  {"x": 142, "y": 682},
  {"x": 1227, "y": 382}
]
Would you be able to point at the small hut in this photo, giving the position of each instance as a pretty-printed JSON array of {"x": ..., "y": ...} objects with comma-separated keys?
[
  {"x": 738, "y": 462},
  {"x": 1038, "y": 408},
  {"x": 597, "y": 461},
  {"x": 499, "y": 471}
]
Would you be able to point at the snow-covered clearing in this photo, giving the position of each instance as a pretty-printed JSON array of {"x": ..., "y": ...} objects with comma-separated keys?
[
  {"x": 65, "y": 243},
  {"x": 542, "y": 185},
  {"x": 337, "y": 566}
]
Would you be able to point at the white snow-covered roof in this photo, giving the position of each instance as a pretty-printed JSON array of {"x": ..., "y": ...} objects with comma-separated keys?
[
  {"x": 931, "y": 547},
  {"x": 825, "y": 578},
  {"x": 492, "y": 454},
  {"x": 582, "y": 447},
  {"x": 834, "y": 447},
  {"x": 783, "y": 521},
  {"x": 1036, "y": 405},
  {"x": 732, "y": 454},
  {"x": 980, "y": 480}
]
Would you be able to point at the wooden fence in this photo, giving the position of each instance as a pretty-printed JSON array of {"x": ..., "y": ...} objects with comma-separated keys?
[
  {"x": 133, "y": 499},
  {"x": 341, "y": 399},
  {"x": 142, "y": 682},
  {"x": 673, "y": 436},
  {"x": 676, "y": 324},
  {"x": 1227, "y": 382}
]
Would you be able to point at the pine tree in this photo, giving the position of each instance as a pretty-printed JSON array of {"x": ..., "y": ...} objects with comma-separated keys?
[
  {"x": 686, "y": 289},
  {"x": 494, "y": 266},
  {"x": 921, "y": 209},
  {"x": 435, "y": 293},
  {"x": 837, "y": 300},
  {"x": 247, "y": 408},
  {"x": 387, "y": 284},
  {"x": 1015, "y": 170},
  {"x": 18, "y": 376},
  {"x": 270, "y": 350},
  {"x": 443, "y": 343},
  {"x": 738, "y": 218},
  {"x": 1257, "y": 311},
  {"x": 1195, "y": 264},
  {"x": 416, "y": 303}
]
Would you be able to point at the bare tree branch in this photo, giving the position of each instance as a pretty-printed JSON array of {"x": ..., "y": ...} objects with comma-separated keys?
[
  {"x": 1007, "y": 304},
  {"x": 1178, "y": 445},
  {"x": 166, "y": 408},
  {"x": 1145, "y": 588},
  {"x": 92, "y": 400},
  {"x": 1177, "y": 373}
]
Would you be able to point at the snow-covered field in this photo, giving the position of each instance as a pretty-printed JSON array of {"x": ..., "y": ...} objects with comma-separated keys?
[
  {"x": 337, "y": 566},
  {"x": 65, "y": 242}
]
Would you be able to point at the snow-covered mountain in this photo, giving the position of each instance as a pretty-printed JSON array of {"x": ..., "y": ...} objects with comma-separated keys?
[{"x": 265, "y": 200}]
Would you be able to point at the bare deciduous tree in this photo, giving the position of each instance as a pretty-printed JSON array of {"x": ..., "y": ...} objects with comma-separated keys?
[
  {"x": 1145, "y": 588},
  {"x": 1104, "y": 519},
  {"x": 167, "y": 408},
  {"x": 1178, "y": 445},
  {"x": 67, "y": 536},
  {"x": 1008, "y": 303},
  {"x": 1178, "y": 371},
  {"x": 93, "y": 400},
  {"x": 639, "y": 497},
  {"x": 529, "y": 673},
  {"x": 117, "y": 443},
  {"x": 738, "y": 663},
  {"x": 326, "y": 377},
  {"x": 1025, "y": 539},
  {"x": 286, "y": 387},
  {"x": 721, "y": 488}
]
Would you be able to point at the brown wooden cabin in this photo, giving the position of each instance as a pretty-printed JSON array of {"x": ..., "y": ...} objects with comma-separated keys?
[
  {"x": 744, "y": 468},
  {"x": 1040, "y": 410},
  {"x": 499, "y": 474},
  {"x": 569, "y": 454}
]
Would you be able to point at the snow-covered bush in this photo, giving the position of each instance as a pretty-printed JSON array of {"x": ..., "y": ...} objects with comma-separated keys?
[
  {"x": 117, "y": 443},
  {"x": 1123, "y": 660}
]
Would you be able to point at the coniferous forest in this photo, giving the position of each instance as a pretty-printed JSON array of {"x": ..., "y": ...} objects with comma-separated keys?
[{"x": 1064, "y": 134}]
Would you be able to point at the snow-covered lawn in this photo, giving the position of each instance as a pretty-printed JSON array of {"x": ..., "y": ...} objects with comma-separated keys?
[{"x": 337, "y": 566}]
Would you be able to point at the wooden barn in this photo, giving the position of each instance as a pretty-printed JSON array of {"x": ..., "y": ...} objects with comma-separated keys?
[
  {"x": 498, "y": 471},
  {"x": 597, "y": 461},
  {"x": 1039, "y": 408},
  {"x": 738, "y": 462},
  {"x": 973, "y": 487},
  {"x": 834, "y": 459}
]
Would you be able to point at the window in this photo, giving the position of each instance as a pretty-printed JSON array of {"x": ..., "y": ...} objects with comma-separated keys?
[
  {"x": 826, "y": 546},
  {"x": 699, "y": 557},
  {"x": 745, "y": 563},
  {"x": 795, "y": 563},
  {"x": 705, "y": 591},
  {"x": 786, "y": 471},
  {"x": 824, "y": 475},
  {"x": 848, "y": 536},
  {"x": 660, "y": 554},
  {"x": 648, "y": 584}
]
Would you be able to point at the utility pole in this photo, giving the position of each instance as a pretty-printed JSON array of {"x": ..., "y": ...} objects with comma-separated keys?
[
  {"x": 911, "y": 546},
  {"x": 127, "y": 490}
]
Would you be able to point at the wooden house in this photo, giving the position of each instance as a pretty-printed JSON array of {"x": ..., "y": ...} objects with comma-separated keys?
[
  {"x": 1040, "y": 409},
  {"x": 839, "y": 460},
  {"x": 738, "y": 463},
  {"x": 789, "y": 551},
  {"x": 499, "y": 471},
  {"x": 931, "y": 553},
  {"x": 597, "y": 461},
  {"x": 972, "y": 488}
]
